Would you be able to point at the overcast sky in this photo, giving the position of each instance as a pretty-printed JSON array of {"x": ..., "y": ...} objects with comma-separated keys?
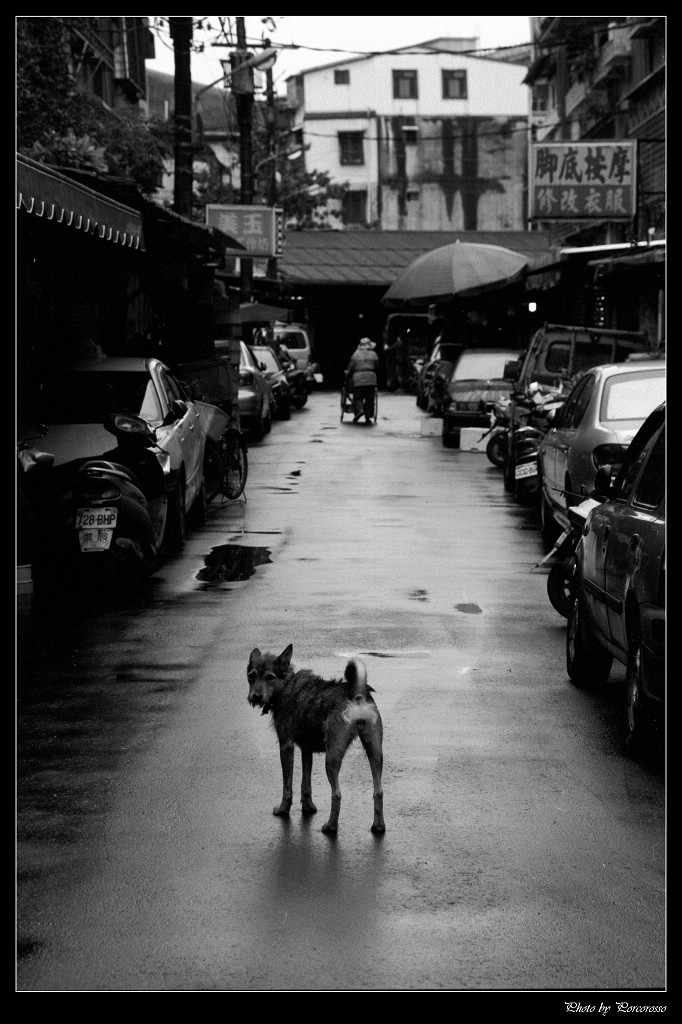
[{"x": 347, "y": 35}]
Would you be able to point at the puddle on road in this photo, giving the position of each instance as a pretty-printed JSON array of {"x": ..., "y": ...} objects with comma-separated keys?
[
  {"x": 230, "y": 562},
  {"x": 469, "y": 609}
]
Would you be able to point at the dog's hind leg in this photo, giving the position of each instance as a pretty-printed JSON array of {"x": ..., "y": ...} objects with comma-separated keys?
[
  {"x": 333, "y": 767},
  {"x": 373, "y": 749},
  {"x": 286, "y": 756},
  {"x": 307, "y": 805}
]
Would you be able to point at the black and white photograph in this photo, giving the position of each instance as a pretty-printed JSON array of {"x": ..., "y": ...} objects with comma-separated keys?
[{"x": 340, "y": 530}]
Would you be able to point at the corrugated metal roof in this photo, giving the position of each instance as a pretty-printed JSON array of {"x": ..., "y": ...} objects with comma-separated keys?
[{"x": 378, "y": 257}]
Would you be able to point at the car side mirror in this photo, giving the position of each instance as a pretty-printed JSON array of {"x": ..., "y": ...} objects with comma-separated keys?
[
  {"x": 262, "y": 366},
  {"x": 550, "y": 417},
  {"x": 602, "y": 484}
]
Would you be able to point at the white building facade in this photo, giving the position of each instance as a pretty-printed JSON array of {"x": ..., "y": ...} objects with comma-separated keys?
[{"x": 429, "y": 138}]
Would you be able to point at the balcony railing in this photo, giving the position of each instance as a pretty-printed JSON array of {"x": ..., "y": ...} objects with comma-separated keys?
[{"x": 614, "y": 56}]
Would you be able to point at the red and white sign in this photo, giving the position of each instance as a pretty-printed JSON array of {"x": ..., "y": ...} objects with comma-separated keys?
[{"x": 594, "y": 180}]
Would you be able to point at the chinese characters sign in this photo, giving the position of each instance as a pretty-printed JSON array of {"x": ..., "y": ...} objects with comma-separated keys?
[
  {"x": 258, "y": 228},
  {"x": 583, "y": 180}
]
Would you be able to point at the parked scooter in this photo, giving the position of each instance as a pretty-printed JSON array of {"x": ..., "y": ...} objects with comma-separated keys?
[
  {"x": 103, "y": 520},
  {"x": 527, "y": 427},
  {"x": 496, "y": 448},
  {"x": 562, "y": 557}
]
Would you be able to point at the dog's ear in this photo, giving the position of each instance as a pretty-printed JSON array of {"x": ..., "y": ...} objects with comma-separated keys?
[
  {"x": 255, "y": 653},
  {"x": 285, "y": 657}
]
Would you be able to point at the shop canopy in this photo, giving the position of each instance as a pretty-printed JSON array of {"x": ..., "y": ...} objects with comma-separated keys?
[{"x": 44, "y": 192}]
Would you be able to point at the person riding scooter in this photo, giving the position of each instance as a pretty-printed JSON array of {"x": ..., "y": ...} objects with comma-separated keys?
[{"x": 361, "y": 373}]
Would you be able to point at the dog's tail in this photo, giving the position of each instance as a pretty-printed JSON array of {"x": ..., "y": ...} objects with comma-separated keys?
[{"x": 356, "y": 675}]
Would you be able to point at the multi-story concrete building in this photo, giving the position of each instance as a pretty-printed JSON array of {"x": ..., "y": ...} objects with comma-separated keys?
[
  {"x": 430, "y": 137},
  {"x": 603, "y": 78}
]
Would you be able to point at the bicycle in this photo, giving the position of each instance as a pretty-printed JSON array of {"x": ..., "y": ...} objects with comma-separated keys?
[{"x": 226, "y": 465}]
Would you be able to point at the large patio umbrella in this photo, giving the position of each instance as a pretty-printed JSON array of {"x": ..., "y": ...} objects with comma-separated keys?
[{"x": 459, "y": 269}]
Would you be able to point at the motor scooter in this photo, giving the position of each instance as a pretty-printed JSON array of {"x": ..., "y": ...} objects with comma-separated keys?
[
  {"x": 527, "y": 427},
  {"x": 562, "y": 557},
  {"x": 103, "y": 520}
]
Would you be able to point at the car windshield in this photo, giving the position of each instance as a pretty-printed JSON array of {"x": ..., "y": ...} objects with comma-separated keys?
[
  {"x": 632, "y": 396},
  {"x": 89, "y": 396},
  {"x": 265, "y": 355},
  {"x": 292, "y": 339},
  {"x": 482, "y": 365}
]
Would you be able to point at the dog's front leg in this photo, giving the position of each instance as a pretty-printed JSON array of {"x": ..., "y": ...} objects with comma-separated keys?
[
  {"x": 286, "y": 756},
  {"x": 307, "y": 805}
]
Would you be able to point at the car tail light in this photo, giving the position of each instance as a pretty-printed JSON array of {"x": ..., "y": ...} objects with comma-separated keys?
[
  {"x": 246, "y": 378},
  {"x": 608, "y": 454}
]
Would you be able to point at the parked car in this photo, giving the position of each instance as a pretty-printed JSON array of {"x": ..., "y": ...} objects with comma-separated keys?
[
  {"x": 297, "y": 339},
  {"x": 442, "y": 351},
  {"x": 477, "y": 381},
  {"x": 618, "y": 592},
  {"x": 276, "y": 377},
  {"x": 593, "y": 428},
  {"x": 559, "y": 352},
  {"x": 74, "y": 404},
  {"x": 255, "y": 403}
]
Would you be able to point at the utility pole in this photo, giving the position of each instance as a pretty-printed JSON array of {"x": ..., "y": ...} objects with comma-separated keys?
[
  {"x": 271, "y": 117},
  {"x": 243, "y": 89},
  {"x": 181, "y": 34}
]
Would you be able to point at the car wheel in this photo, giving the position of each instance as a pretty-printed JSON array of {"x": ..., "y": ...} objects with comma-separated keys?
[
  {"x": 559, "y": 586},
  {"x": 587, "y": 663},
  {"x": 176, "y": 526},
  {"x": 638, "y": 710}
]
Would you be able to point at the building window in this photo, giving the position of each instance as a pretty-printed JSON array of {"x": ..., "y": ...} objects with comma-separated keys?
[
  {"x": 540, "y": 94},
  {"x": 454, "y": 85},
  {"x": 410, "y": 134},
  {"x": 355, "y": 207},
  {"x": 351, "y": 149},
  {"x": 342, "y": 77},
  {"x": 405, "y": 85}
]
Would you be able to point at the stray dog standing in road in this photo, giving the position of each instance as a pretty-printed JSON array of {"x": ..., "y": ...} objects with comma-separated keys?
[{"x": 318, "y": 715}]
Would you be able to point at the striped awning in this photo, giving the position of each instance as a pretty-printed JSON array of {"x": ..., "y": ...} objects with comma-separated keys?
[{"x": 45, "y": 192}]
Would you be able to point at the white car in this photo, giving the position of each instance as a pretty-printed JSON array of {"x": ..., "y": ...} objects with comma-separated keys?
[
  {"x": 74, "y": 403},
  {"x": 593, "y": 428},
  {"x": 297, "y": 340}
]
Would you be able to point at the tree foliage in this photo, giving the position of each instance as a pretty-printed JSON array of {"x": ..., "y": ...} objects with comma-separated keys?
[{"x": 59, "y": 124}]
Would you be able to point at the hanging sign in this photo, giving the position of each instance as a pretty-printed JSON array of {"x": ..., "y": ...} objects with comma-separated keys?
[
  {"x": 594, "y": 180},
  {"x": 258, "y": 228}
]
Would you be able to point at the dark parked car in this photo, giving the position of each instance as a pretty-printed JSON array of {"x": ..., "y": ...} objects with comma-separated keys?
[
  {"x": 476, "y": 381},
  {"x": 276, "y": 377},
  {"x": 618, "y": 591},
  {"x": 595, "y": 425},
  {"x": 442, "y": 350}
]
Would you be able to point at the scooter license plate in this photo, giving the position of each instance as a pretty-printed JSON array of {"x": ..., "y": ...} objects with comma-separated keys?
[
  {"x": 526, "y": 469},
  {"x": 96, "y": 528}
]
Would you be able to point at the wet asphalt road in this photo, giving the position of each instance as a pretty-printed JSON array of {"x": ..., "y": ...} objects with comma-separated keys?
[{"x": 523, "y": 851}]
